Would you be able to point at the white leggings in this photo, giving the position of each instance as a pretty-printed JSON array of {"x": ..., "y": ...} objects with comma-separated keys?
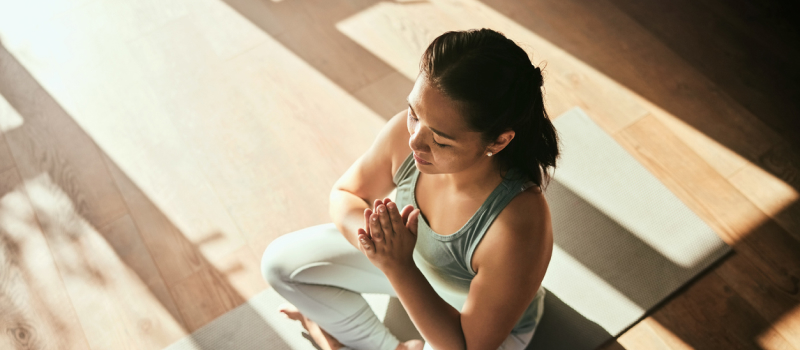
[{"x": 323, "y": 275}]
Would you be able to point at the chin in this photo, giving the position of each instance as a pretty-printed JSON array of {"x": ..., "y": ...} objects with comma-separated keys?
[{"x": 425, "y": 169}]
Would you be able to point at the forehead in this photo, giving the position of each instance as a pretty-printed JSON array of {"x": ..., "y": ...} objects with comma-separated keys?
[{"x": 436, "y": 109}]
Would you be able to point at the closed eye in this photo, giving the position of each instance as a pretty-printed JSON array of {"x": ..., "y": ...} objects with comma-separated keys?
[{"x": 440, "y": 145}]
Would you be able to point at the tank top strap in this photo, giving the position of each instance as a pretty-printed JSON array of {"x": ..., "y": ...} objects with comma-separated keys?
[
  {"x": 405, "y": 170},
  {"x": 495, "y": 205}
]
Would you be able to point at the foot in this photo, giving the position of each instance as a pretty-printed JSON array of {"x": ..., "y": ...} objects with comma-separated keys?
[
  {"x": 291, "y": 312},
  {"x": 413, "y": 344},
  {"x": 320, "y": 336}
]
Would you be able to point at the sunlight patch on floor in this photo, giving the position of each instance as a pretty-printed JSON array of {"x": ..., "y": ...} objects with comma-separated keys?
[{"x": 9, "y": 117}]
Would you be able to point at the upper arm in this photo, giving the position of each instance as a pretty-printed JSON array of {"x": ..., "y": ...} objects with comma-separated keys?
[
  {"x": 504, "y": 286},
  {"x": 371, "y": 175}
]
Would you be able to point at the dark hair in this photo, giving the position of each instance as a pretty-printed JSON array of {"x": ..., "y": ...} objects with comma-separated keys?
[{"x": 497, "y": 88}]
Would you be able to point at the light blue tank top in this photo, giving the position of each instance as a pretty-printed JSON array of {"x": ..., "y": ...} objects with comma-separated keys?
[{"x": 446, "y": 260}]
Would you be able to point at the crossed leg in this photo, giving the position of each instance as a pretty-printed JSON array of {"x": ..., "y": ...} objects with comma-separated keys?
[{"x": 322, "y": 276}]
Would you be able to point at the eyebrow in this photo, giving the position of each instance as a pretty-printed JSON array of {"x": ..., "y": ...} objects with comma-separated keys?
[{"x": 434, "y": 130}]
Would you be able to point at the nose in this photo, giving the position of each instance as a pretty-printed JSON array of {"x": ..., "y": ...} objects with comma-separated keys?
[{"x": 416, "y": 141}]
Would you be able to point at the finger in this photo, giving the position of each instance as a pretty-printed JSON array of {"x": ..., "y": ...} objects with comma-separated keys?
[
  {"x": 359, "y": 234},
  {"x": 395, "y": 218},
  {"x": 375, "y": 228},
  {"x": 413, "y": 221},
  {"x": 386, "y": 223},
  {"x": 406, "y": 211},
  {"x": 387, "y": 201},
  {"x": 367, "y": 214},
  {"x": 365, "y": 242},
  {"x": 376, "y": 203}
]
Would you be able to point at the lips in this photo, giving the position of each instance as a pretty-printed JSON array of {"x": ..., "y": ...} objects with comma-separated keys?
[{"x": 423, "y": 161}]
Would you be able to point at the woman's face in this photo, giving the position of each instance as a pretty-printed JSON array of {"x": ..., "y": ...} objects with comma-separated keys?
[{"x": 438, "y": 133}]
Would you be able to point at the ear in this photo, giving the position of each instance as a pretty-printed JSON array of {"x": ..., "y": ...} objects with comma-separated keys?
[{"x": 501, "y": 142}]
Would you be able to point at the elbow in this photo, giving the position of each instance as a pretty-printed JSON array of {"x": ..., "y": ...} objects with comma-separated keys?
[{"x": 333, "y": 198}]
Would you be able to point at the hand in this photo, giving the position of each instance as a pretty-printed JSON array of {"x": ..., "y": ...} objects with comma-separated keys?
[
  {"x": 368, "y": 213},
  {"x": 390, "y": 235}
]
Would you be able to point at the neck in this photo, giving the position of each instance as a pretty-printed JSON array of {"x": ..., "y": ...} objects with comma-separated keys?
[{"x": 484, "y": 174}]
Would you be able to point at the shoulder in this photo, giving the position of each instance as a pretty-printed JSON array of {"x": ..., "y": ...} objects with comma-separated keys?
[
  {"x": 525, "y": 217},
  {"x": 527, "y": 210},
  {"x": 522, "y": 230},
  {"x": 397, "y": 135},
  {"x": 515, "y": 253}
]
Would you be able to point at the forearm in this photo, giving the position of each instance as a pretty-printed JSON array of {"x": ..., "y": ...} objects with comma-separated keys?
[
  {"x": 347, "y": 213},
  {"x": 437, "y": 321}
]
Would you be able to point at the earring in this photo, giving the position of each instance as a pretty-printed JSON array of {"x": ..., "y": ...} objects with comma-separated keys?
[{"x": 490, "y": 154}]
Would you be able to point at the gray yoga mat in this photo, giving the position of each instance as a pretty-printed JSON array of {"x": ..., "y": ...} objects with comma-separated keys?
[{"x": 623, "y": 244}]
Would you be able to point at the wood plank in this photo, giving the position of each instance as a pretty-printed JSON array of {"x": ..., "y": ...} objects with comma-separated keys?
[
  {"x": 769, "y": 22},
  {"x": 113, "y": 303},
  {"x": 199, "y": 291},
  {"x": 570, "y": 82},
  {"x": 242, "y": 270},
  {"x": 9, "y": 119},
  {"x": 120, "y": 105},
  {"x": 387, "y": 95},
  {"x": 204, "y": 296},
  {"x": 752, "y": 234},
  {"x": 773, "y": 184},
  {"x": 37, "y": 311},
  {"x": 771, "y": 301},
  {"x": 725, "y": 209},
  {"x": 669, "y": 159},
  {"x": 341, "y": 60},
  {"x": 6, "y": 160},
  {"x": 72, "y": 193},
  {"x": 164, "y": 322},
  {"x": 50, "y": 143},
  {"x": 711, "y": 315},
  {"x": 226, "y": 31},
  {"x": 175, "y": 256},
  {"x": 256, "y": 148},
  {"x": 763, "y": 83},
  {"x": 649, "y": 334},
  {"x": 613, "y": 346},
  {"x": 601, "y": 36},
  {"x": 690, "y": 178}
]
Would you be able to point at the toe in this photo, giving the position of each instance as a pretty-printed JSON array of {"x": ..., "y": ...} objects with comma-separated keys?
[{"x": 290, "y": 311}]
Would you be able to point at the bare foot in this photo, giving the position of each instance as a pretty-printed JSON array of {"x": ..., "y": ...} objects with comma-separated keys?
[
  {"x": 291, "y": 312},
  {"x": 413, "y": 344},
  {"x": 320, "y": 336}
]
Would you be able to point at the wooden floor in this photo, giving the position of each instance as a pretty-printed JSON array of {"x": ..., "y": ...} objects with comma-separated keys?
[{"x": 151, "y": 149}]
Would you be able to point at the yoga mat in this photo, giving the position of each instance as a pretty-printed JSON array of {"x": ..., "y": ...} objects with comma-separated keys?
[
  {"x": 623, "y": 244},
  {"x": 623, "y": 241},
  {"x": 257, "y": 325}
]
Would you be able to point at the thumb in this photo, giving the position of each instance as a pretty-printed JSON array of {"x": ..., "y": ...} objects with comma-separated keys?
[{"x": 413, "y": 221}]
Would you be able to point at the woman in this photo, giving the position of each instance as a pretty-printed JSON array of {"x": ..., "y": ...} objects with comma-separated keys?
[{"x": 467, "y": 241}]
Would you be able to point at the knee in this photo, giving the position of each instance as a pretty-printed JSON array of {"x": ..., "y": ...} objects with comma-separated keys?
[
  {"x": 276, "y": 260},
  {"x": 292, "y": 251}
]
